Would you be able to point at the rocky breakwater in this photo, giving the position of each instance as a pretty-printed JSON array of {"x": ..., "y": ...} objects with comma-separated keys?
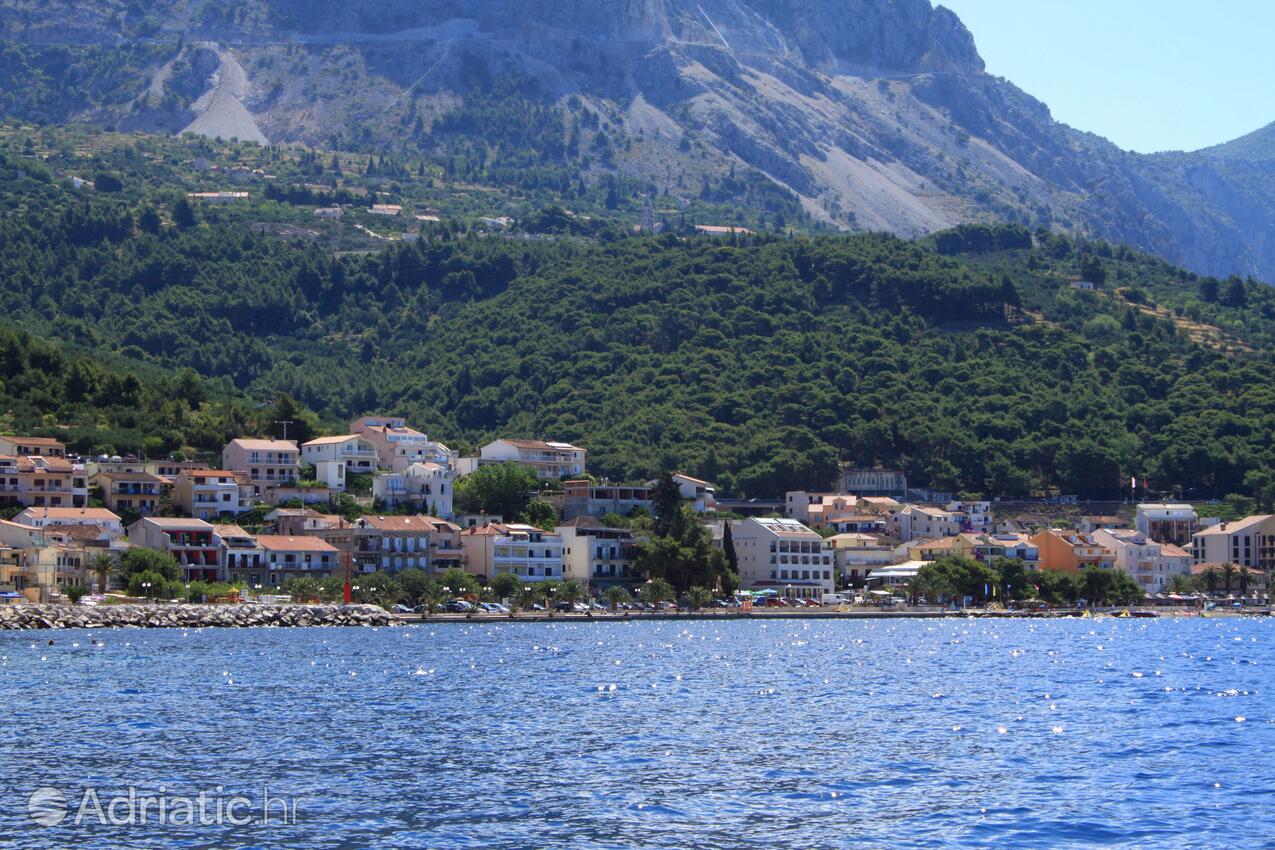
[{"x": 189, "y": 616}]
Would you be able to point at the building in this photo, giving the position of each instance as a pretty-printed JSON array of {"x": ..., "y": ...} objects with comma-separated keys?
[
  {"x": 874, "y": 482},
  {"x": 242, "y": 560},
  {"x": 550, "y": 460},
  {"x": 701, "y": 494},
  {"x": 978, "y": 515},
  {"x": 857, "y": 554},
  {"x": 1167, "y": 523},
  {"x": 191, "y": 542},
  {"x": 784, "y": 555},
  {"x": 424, "y": 486},
  {"x": 211, "y": 493},
  {"x": 393, "y": 543},
  {"x": 896, "y": 576},
  {"x": 599, "y": 556},
  {"x": 990, "y": 549},
  {"x": 1090, "y": 524},
  {"x": 1141, "y": 557},
  {"x": 924, "y": 522},
  {"x": 1067, "y": 551},
  {"x": 354, "y": 452},
  {"x": 286, "y": 557},
  {"x": 267, "y": 463},
  {"x": 525, "y": 551},
  {"x": 49, "y": 518},
  {"x": 138, "y": 493},
  {"x": 43, "y": 481},
  {"x": 397, "y": 446},
  {"x": 1248, "y": 542},
  {"x": 584, "y": 498},
  {"x": 32, "y": 447}
]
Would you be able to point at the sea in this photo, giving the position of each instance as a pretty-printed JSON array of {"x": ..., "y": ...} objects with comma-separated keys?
[{"x": 671, "y": 734}]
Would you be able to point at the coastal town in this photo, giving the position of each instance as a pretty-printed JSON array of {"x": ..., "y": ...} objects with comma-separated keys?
[{"x": 278, "y": 520}]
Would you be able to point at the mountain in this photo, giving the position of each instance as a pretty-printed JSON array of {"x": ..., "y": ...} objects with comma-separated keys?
[{"x": 874, "y": 114}]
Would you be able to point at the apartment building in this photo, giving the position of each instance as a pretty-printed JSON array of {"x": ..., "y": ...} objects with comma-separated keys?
[
  {"x": 874, "y": 482},
  {"x": 551, "y": 460},
  {"x": 137, "y": 493},
  {"x": 43, "y": 481},
  {"x": 1167, "y": 523},
  {"x": 1248, "y": 542},
  {"x": 354, "y": 452},
  {"x": 993, "y": 548},
  {"x": 211, "y": 493},
  {"x": 399, "y": 446},
  {"x": 242, "y": 559},
  {"x": 584, "y": 498},
  {"x": 286, "y": 556},
  {"x": 267, "y": 463},
  {"x": 924, "y": 522},
  {"x": 701, "y": 494},
  {"x": 32, "y": 447},
  {"x": 1141, "y": 557},
  {"x": 1090, "y": 524},
  {"x": 522, "y": 550},
  {"x": 783, "y": 555},
  {"x": 424, "y": 486},
  {"x": 392, "y": 543},
  {"x": 597, "y": 555},
  {"x": 1068, "y": 551},
  {"x": 856, "y": 554},
  {"x": 50, "y": 518},
  {"x": 192, "y": 542}
]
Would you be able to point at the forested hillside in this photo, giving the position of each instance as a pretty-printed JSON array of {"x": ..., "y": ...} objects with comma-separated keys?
[{"x": 760, "y": 362}]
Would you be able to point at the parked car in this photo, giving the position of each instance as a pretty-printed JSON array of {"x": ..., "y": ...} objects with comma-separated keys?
[
  {"x": 458, "y": 606},
  {"x": 400, "y": 608}
]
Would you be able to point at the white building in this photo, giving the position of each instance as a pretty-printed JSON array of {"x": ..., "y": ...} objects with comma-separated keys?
[
  {"x": 399, "y": 446},
  {"x": 49, "y": 518},
  {"x": 701, "y": 494},
  {"x": 597, "y": 555},
  {"x": 922, "y": 522},
  {"x": 550, "y": 460},
  {"x": 1141, "y": 557},
  {"x": 528, "y": 552},
  {"x": 212, "y": 493},
  {"x": 426, "y": 486},
  {"x": 857, "y": 554},
  {"x": 353, "y": 450},
  {"x": 1167, "y": 523},
  {"x": 1248, "y": 542},
  {"x": 784, "y": 555}
]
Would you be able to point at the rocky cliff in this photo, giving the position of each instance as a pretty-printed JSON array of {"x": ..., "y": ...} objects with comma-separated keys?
[{"x": 877, "y": 114}]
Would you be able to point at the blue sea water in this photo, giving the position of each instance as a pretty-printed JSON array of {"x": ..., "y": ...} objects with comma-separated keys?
[{"x": 678, "y": 734}]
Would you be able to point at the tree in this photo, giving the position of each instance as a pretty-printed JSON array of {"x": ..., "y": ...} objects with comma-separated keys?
[
  {"x": 547, "y": 590},
  {"x": 152, "y": 584},
  {"x": 184, "y": 214},
  {"x": 431, "y": 596},
  {"x": 102, "y": 565},
  {"x": 140, "y": 560},
  {"x": 1179, "y": 584},
  {"x": 525, "y": 596},
  {"x": 666, "y": 500},
  {"x": 615, "y": 595},
  {"x": 301, "y": 588},
  {"x": 458, "y": 582},
  {"x": 570, "y": 591},
  {"x": 505, "y": 585},
  {"x": 540, "y": 514},
  {"x": 728, "y": 547},
  {"x": 75, "y": 592},
  {"x": 655, "y": 591},
  {"x": 1228, "y": 576},
  {"x": 1245, "y": 579},
  {"x": 499, "y": 489},
  {"x": 698, "y": 596},
  {"x": 413, "y": 582}
]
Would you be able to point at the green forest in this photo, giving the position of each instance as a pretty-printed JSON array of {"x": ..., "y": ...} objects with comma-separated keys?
[{"x": 138, "y": 322}]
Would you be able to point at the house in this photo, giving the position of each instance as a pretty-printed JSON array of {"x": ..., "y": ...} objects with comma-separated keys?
[
  {"x": 49, "y": 518},
  {"x": 927, "y": 550},
  {"x": 1068, "y": 551},
  {"x": 351, "y": 453},
  {"x": 895, "y": 576},
  {"x": 784, "y": 555},
  {"x": 978, "y": 515},
  {"x": 191, "y": 542},
  {"x": 329, "y": 212},
  {"x": 916, "y": 522},
  {"x": 394, "y": 543},
  {"x": 1090, "y": 524},
  {"x": 1139, "y": 556},
  {"x": 857, "y": 554},
  {"x": 597, "y": 555},
  {"x": 32, "y": 446},
  {"x": 990, "y": 549},
  {"x": 1084, "y": 285},
  {"x": 286, "y": 556},
  {"x": 218, "y": 197},
  {"x": 40, "y": 481},
  {"x": 267, "y": 463},
  {"x": 1248, "y": 542},
  {"x": 584, "y": 498},
  {"x": 722, "y": 230},
  {"x": 528, "y": 552},
  {"x": 385, "y": 209},
  {"x": 701, "y": 494},
  {"x": 551, "y": 460},
  {"x": 397, "y": 446},
  {"x": 874, "y": 482},
  {"x": 212, "y": 493},
  {"x": 1167, "y": 523},
  {"x": 242, "y": 559},
  {"x": 425, "y": 486},
  {"x": 136, "y": 493}
]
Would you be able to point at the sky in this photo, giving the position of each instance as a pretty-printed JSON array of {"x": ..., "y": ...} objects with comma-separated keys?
[{"x": 1150, "y": 75}]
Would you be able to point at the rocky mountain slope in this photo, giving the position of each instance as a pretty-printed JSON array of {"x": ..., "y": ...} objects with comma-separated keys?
[{"x": 877, "y": 114}]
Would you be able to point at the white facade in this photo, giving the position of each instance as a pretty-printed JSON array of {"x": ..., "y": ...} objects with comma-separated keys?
[
  {"x": 550, "y": 460},
  {"x": 597, "y": 555},
  {"x": 1141, "y": 557},
  {"x": 785, "y": 555},
  {"x": 701, "y": 494},
  {"x": 919, "y": 522},
  {"x": 49, "y": 518},
  {"x": 425, "y": 485},
  {"x": 528, "y": 552},
  {"x": 1167, "y": 523},
  {"x": 357, "y": 452}
]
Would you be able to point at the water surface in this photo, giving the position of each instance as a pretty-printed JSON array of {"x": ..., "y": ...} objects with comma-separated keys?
[{"x": 799, "y": 734}]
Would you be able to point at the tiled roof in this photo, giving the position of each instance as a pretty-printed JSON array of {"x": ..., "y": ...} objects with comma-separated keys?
[
  {"x": 265, "y": 445},
  {"x": 282, "y": 543}
]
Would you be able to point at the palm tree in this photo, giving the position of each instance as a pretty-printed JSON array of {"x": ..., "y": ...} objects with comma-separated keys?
[
  {"x": 1209, "y": 577},
  {"x": 615, "y": 595},
  {"x": 570, "y": 591},
  {"x": 1246, "y": 577},
  {"x": 548, "y": 589},
  {"x": 102, "y": 566},
  {"x": 431, "y": 597},
  {"x": 1228, "y": 575},
  {"x": 656, "y": 590},
  {"x": 698, "y": 596},
  {"x": 1179, "y": 584},
  {"x": 525, "y": 596}
]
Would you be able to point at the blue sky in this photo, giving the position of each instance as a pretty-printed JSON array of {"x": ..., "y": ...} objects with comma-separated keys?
[{"x": 1149, "y": 75}]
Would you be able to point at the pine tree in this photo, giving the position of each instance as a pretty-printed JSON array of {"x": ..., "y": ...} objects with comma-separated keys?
[{"x": 728, "y": 546}]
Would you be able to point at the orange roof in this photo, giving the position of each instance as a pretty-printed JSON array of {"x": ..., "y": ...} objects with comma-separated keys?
[
  {"x": 72, "y": 513},
  {"x": 401, "y": 523},
  {"x": 281, "y": 543},
  {"x": 34, "y": 441}
]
